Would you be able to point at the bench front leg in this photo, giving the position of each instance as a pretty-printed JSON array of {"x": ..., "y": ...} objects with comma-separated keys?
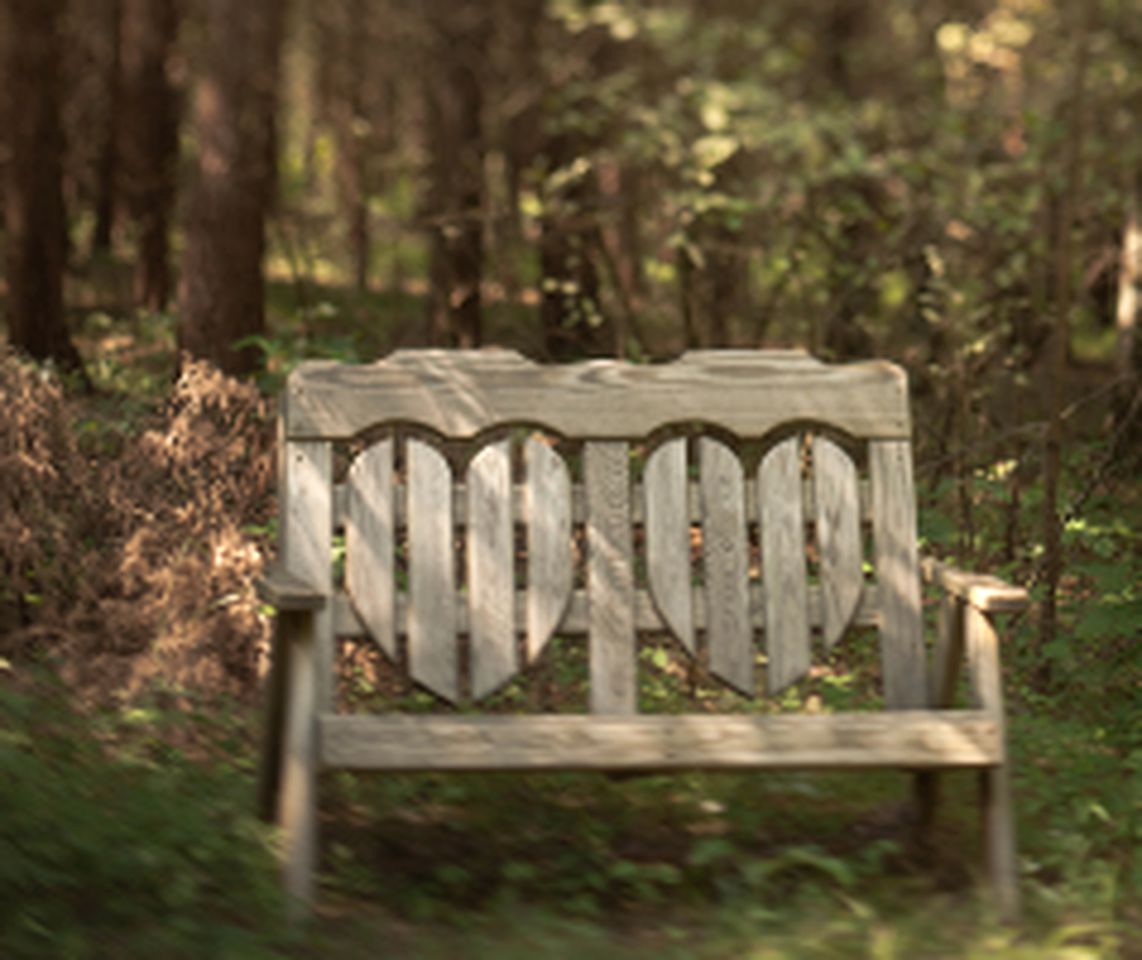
[
  {"x": 287, "y": 787},
  {"x": 982, "y": 642}
]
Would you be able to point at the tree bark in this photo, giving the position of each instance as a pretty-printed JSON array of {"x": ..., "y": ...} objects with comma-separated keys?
[
  {"x": 107, "y": 172},
  {"x": 1056, "y": 381},
  {"x": 454, "y": 104},
  {"x": 36, "y": 222},
  {"x": 222, "y": 292},
  {"x": 150, "y": 141}
]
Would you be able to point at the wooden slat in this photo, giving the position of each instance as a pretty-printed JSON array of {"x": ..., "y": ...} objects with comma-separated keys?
[
  {"x": 307, "y": 543},
  {"x": 610, "y": 578},
  {"x": 783, "y": 565},
  {"x": 575, "y": 620},
  {"x": 547, "y": 507},
  {"x": 491, "y": 558},
  {"x": 462, "y": 393},
  {"x": 909, "y": 739},
  {"x": 282, "y": 590},
  {"x": 369, "y": 543},
  {"x": 432, "y": 652},
  {"x": 725, "y": 554},
  {"x": 838, "y": 535},
  {"x": 981, "y": 590},
  {"x": 579, "y": 502},
  {"x": 668, "y": 538},
  {"x": 898, "y": 574}
]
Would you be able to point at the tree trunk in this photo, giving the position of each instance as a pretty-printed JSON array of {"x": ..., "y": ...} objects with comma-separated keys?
[
  {"x": 107, "y": 172},
  {"x": 150, "y": 146},
  {"x": 1056, "y": 381},
  {"x": 222, "y": 291},
  {"x": 454, "y": 102},
  {"x": 36, "y": 222}
]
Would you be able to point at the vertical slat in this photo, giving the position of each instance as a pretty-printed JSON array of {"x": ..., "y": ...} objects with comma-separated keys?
[
  {"x": 307, "y": 543},
  {"x": 369, "y": 543},
  {"x": 995, "y": 782},
  {"x": 432, "y": 654},
  {"x": 725, "y": 551},
  {"x": 897, "y": 574},
  {"x": 783, "y": 564},
  {"x": 491, "y": 592},
  {"x": 610, "y": 577},
  {"x": 837, "y": 494},
  {"x": 668, "y": 538},
  {"x": 547, "y": 502}
]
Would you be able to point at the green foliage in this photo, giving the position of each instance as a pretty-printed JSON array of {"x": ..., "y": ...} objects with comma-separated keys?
[{"x": 137, "y": 857}]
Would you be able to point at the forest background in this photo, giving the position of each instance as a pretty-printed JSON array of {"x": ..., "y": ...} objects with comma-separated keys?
[{"x": 200, "y": 194}]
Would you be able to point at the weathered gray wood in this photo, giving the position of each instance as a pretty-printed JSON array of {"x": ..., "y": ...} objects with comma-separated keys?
[
  {"x": 547, "y": 508},
  {"x": 369, "y": 543},
  {"x": 948, "y": 654},
  {"x": 981, "y": 590},
  {"x": 461, "y": 393},
  {"x": 982, "y": 643},
  {"x": 281, "y": 589},
  {"x": 909, "y": 739},
  {"x": 898, "y": 574},
  {"x": 725, "y": 554},
  {"x": 491, "y": 559},
  {"x": 432, "y": 652},
  {"x": 783, "y": 566},
  {"x": 297, "y": 810},
  {"x": 668, "y": 538},
  {"x": 575, "y": 620},
  {"x": 838, "y": 535},
  {"x": 693, "y": 501},
  {"x": 307, "y": 543},
  {"x": 610, "y": 578}
]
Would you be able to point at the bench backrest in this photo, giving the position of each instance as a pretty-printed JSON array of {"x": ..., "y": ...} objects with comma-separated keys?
[{"x": 722, "y": 496}]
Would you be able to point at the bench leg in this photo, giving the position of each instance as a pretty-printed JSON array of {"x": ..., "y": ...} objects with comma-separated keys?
[
  {"x": 270, "y": 761},
  {"x": 297, "y": 810},
  {"x": 999, "y": 840},
  {"x": 926, "y": 796}
]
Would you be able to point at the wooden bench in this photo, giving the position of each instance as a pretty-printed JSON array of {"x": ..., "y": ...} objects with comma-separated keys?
[{"x": 728, "y": 498}]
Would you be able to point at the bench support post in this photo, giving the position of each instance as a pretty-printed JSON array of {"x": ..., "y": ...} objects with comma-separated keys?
[
  {"x": 297, "y": 803},
  {"x": 995, "y": 782}
]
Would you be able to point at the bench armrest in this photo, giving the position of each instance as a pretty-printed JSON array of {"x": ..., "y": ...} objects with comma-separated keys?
[
  {"x": 984, "y": 592},
  {"x": 286, "y": 591}
]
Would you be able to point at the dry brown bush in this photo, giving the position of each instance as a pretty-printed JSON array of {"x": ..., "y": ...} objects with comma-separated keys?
[{"x": 135, "y": 570}]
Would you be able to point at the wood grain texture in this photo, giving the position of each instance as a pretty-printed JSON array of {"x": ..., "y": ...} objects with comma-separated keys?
[
  {"x": 491, "y": 560},
  {"x": 610, "y": 578},
  {"x": 461, "y": 393},
  {"x": 981, "y": 590},
  {"x": 369, "y": 543},
  {"x": 838, "y": 536},
  {"x": 910, "y": 739},
  {"x": 307, "y": 543},
  {"x": 668, "y": 538},
  {"x": 547, "y": 509},
  {"x": 725, "y": 554},
  {"x": 783, "y": 565},
  {"x": 297, "y": 811},
  {"x": 982, "y": 641},
  {"x": 576, "y": 620},
  {"x": 432, "y": 651},
  {"x": 902, "y": 653},
  {"x": 948, "y": 655}
]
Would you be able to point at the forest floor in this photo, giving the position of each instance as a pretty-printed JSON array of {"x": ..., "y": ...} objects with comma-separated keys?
[{"x": 131, "y": 652}]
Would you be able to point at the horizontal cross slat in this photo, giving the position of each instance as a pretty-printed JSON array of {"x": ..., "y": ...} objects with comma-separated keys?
[
  {"x": 460, "y": 394},
  {"x": 910, "y": 739},
  {"x": 579, "y": 502},
  {"x": 574, "y": 622}
]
